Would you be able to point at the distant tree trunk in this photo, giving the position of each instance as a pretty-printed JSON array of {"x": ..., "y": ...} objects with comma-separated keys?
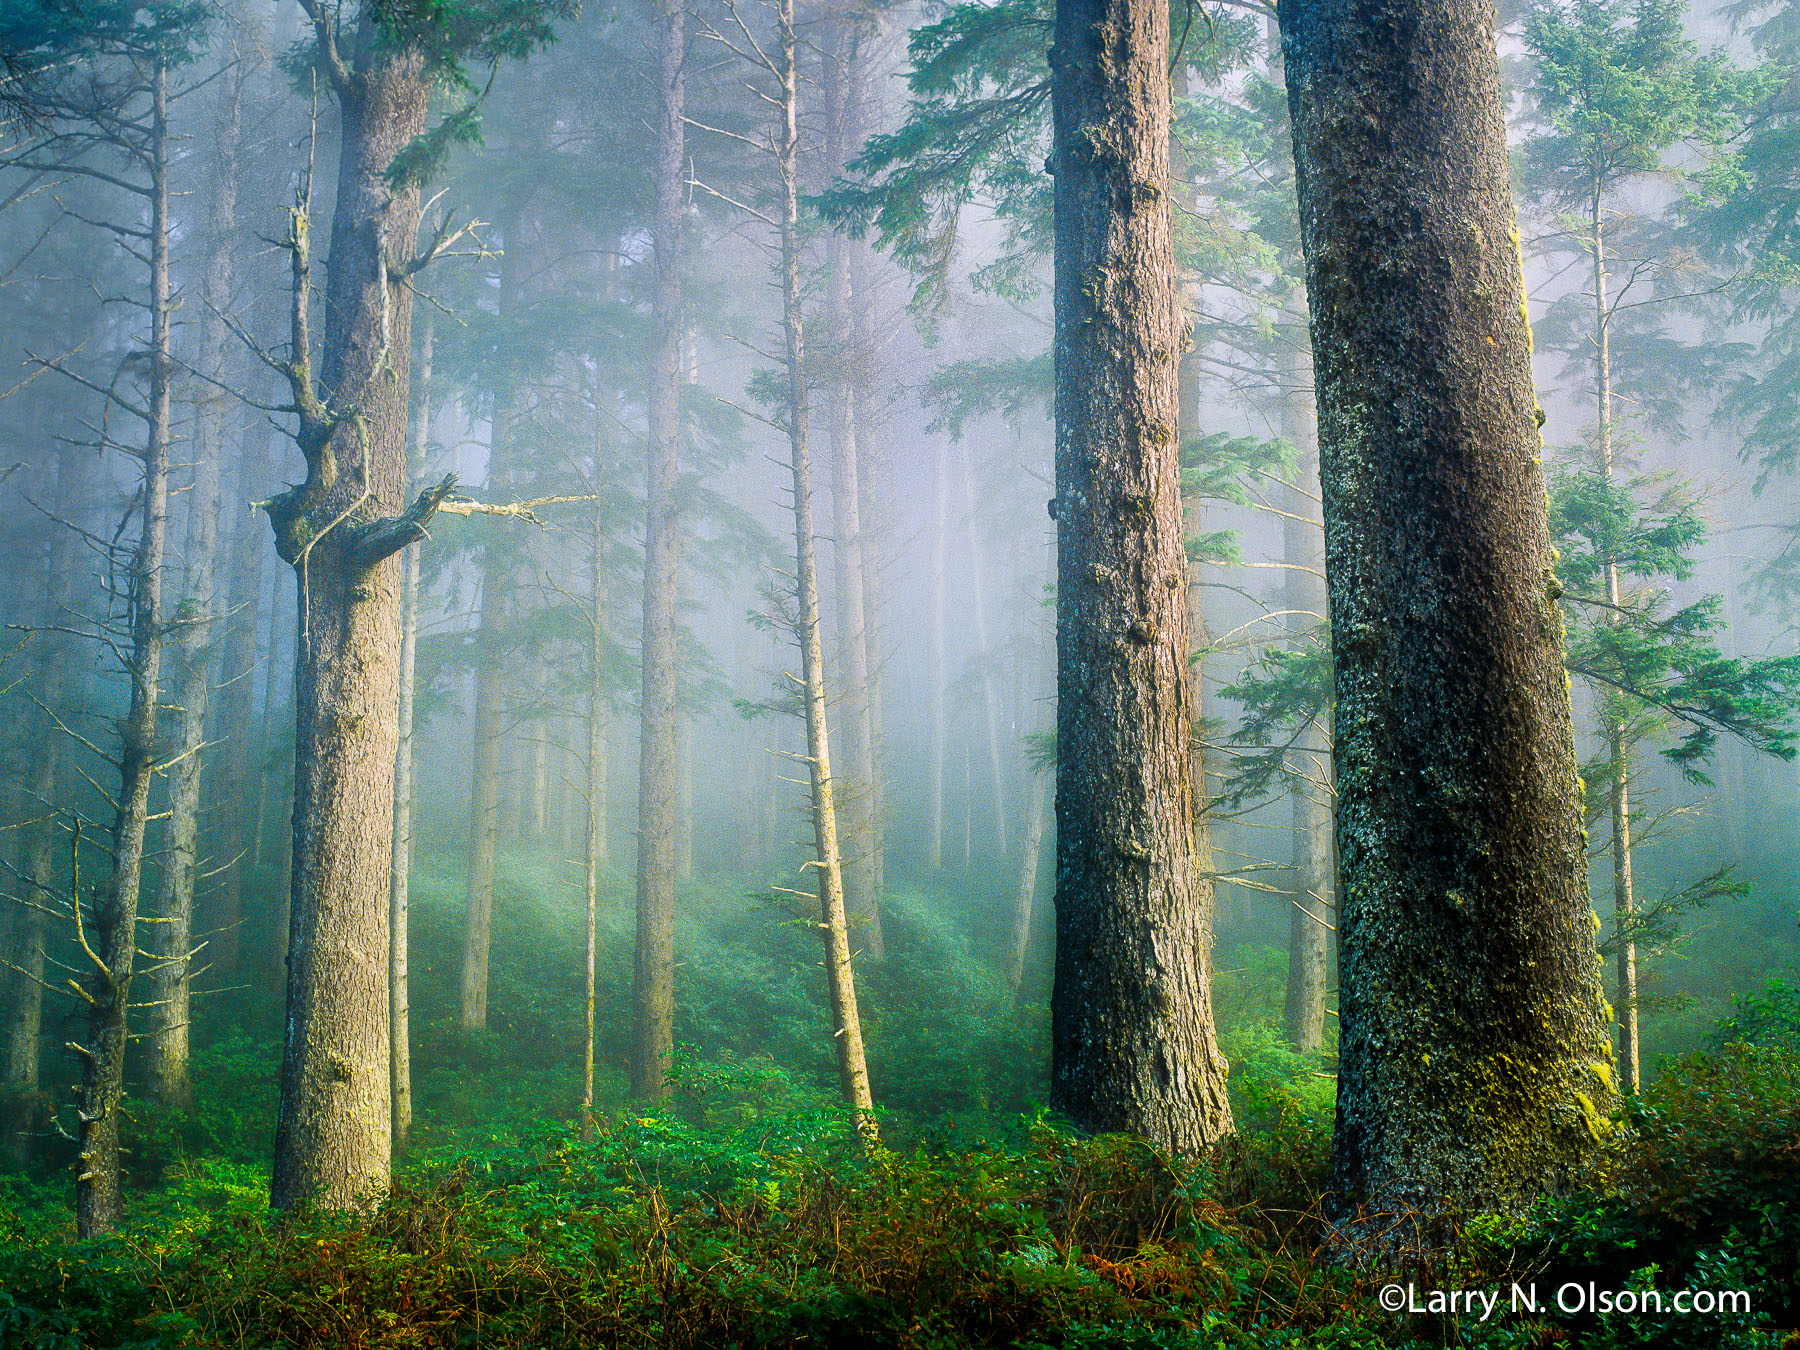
[
  {"x": 240, "y": 785},
  {"x": 870, "y": 532},
  {"x": 40, "y": 855},
  {"x": 1311, "y": 919},
  {"x": 340, "y": 530},
  {"x": 934, "y": 659},
  {"x": 1025, "y": 900},
  {"x": 1617, "y": 748},
  {"x": 595, "y": 853},
  {"x": 197, "y": 643},
  {"x": 862, "y": 848},
  {"x": 684, "y": 802},
  {"x": 653, "y": 979},
  {"x": 111, "y": 937},
  {"x": 990, "y": 700},
  {"x": 1132, "y": 1044},
  {"x": 853, "y": 1069},
  {"x": 1474, "y": 1070},
  {"x": 492, "y": 658},
  {"x": 399, "y": 920}
]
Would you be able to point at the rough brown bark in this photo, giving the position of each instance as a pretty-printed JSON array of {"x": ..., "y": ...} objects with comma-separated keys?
[
  {"x": 1132, "y": 1044},
  {"x": 653, "y": 978},
  {"x": 340, "y": 530},
  {"x": 1474, "y": 1066}
]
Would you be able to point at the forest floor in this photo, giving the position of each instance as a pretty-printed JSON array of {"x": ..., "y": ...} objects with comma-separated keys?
[{"x": 743, "y": 1216}]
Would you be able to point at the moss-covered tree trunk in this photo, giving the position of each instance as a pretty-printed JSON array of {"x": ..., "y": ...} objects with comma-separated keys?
[
  {"x": 653, "y": 977},
  {"x": 1474, "y": 1065},
  {"x": 1132, "y": 1039},
  {"x": 340, "y": 530}
]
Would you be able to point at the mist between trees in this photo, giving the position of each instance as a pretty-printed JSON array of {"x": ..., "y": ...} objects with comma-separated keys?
[{"x": 566, "y": 558}]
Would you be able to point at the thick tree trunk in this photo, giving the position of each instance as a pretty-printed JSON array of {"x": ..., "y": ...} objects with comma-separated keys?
[
  {"x": 1474, "y": 1067},
  {"x": 653, "y": 978},
  {"x": 340, "y": 530},
  {"x": 110, "y": 940},
  {"x": 1311, "y": 920},
  {"x": 1132, "y": 1044}
]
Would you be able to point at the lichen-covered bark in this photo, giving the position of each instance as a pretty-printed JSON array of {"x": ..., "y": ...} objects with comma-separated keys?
[
  {"x": 1474, "y": 1062},
  {"x": 341, "y": 530},
  {"x": 1131, "y": 1038},
  {"x": 653, "y": 977}
]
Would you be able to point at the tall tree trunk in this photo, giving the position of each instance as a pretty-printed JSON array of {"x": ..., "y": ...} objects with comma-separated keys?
[
  {"x": 1310, "y": 914},
  {"x": 1132, "y": 1043},
  {"x": 653, "y": 977},
  {"x": 40, "y": 857},
  {"x": 1474, "y": 1066},
  {"x": 340, "y": 530},
  {"x": 934, "y": 659},
  {"x": 853, "y": 1068},
  {"x": 595, "y": 852},
  {"x": 1024, "y": 918},
  {"x": 858, "y": 795},
  {"x": 110, "y": 941},
  {"x": 990, "y": 699},
  {"x": 399, "y": 918},
  {"x": 488, "y": 794},
  {"x": 1618, "y": 750},
  {"x": 240, "y": 785},
  {"x": 198, "y": 643}
]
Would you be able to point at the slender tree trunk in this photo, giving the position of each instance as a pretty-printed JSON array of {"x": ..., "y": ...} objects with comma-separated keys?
[
  {"x": 197, "y": 644},
  {"x": 1310, "y": 914},
  {"x": 488, "y": 795},
  {"x": 1132, "y": 1043},
  {"x": 990, "y": 701},
  {"x": 595, "y": 854},
  {"x": 934, "y": 660},
  {"x": 853, "y": 1069},
  {"x": 1025, "y": 901},
  {"x": 340, "y": 530},
  {"x": 1474, "y": 1070},
  {"x": 110, "y": 940},
  {"x": 1618, "y": 751},
  {"x": 684, "y": 802},
  {"x": 862, "y": 846},
  {"x": 235, "y": 726},
  {"x": 653, "y": 979},
  {"x": 399, "y": 919}
]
